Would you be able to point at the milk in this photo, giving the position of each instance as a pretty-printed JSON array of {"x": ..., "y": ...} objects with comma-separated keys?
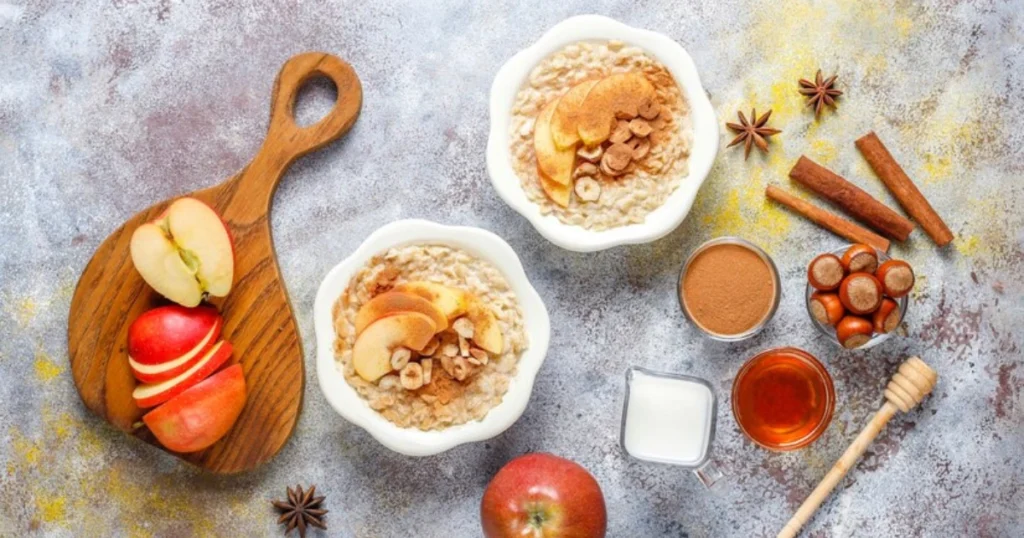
[{"x": 668, "y": 419}]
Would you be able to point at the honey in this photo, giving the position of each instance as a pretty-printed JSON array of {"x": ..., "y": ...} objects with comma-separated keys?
[{"x": 783, "y": 399}]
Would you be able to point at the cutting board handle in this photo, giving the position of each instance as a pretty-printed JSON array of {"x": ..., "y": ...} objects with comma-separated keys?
[{"x": 286, "y": 140}]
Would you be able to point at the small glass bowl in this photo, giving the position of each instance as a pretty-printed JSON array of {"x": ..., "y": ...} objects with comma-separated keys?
[
  {"x": 830, "y": 331},
  {"x": 813, "y": 364},
  {"x": 729, "y": 240}
]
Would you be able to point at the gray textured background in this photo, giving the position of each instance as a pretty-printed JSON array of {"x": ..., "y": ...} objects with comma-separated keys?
[{"x": 107, "y": 106}]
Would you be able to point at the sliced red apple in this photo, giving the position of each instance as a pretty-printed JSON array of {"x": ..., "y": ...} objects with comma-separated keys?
[
  {"x": 153, "y": 394},
  {"x": 166, "y": 333},
  {"x": 155, "y": 373},
  {"x": 185, "y": 253},
  {"x": 202, "y": 414}
]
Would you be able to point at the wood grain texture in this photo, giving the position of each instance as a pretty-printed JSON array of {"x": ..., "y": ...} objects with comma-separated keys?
[{"x": 258, "y": 319}]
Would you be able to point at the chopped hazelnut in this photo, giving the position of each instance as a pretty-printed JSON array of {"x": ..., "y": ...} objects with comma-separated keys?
[
  {"x": 412, "y": 376},
  {"x": 464, "y": 327},
  {"x": 400, "y": 357}
]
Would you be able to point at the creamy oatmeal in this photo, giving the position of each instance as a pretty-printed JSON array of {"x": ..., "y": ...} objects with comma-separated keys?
[
  {"x": 615, "y": 179},
  {"x": 462, "y": 343}
]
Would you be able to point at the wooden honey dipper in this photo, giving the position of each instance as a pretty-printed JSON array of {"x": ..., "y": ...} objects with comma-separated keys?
[{"x": 908, "y": 387}]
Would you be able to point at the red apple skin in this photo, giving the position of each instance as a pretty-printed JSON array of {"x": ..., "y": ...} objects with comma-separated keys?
[
  {"x": 542, "y": 495},
  {"x": 221, "y": 355},
  {"x": 168, "y": 332},
  {"x": 201, "y": 415}
]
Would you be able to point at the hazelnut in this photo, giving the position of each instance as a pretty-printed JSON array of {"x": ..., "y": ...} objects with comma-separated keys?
[
  {"x": 586, "y": 169},
  {"x": 621, "y": 132},
  {"x": 400, "y": 357},
  {"x": 640, "y": 128},
  {"x": 460, "y": 368},
  {"x": 853, "y": 331},
  {"x": 860, "y": 293},
  {"x": 825, "y": 272},
  {"x": 649, "y": 109},
  {"x": 860, "y": 258},
  {"x": 587, "y": 189},
  {"x": 642, "y": 148},
  {"x": 590, "y": 154},
  {"x": 897, "y": 278},
  {"x": 463, "y": 327},
  {"x": 826, "y": 308},
  {"x": 412, "y": 376},
  {"x": 428, "y": 368},
  {"x": 887, "y": 317}
]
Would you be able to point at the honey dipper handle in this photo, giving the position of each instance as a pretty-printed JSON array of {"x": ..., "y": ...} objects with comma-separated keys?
[{"x": 838, "y": 471}]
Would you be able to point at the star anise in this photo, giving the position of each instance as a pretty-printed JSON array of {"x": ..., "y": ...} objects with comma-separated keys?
[
  {"x": 753, "y": 132},
  {"x": 301, "y": 510},
  {"x": 820, "y": 92}
]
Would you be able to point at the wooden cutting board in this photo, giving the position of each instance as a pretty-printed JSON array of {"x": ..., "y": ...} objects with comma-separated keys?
[{"x": 258, "y": 318}]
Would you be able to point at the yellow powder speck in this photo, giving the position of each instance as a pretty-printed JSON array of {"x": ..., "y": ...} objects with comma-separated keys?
[
  {"x": 746, "y": 212},
  {"x": 937, "y": 168},
  {"x": 967, "y": 245},
  {"x": 903, "y": 25},
  {"x": 28, "y": 452},
  {"x": 25, "y": 311},
  {"x": 46, "y": 369},
  {"x": 920, "y": 286},
  {"x": 50, "y": 509},
  {"x": 824, "y": 151}
]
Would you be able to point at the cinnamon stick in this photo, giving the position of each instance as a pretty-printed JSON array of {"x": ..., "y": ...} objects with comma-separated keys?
[
  {"x": 901, "y": 186},
  {"x": 830, "y": 221},
  {"x": 850, "y": 198}
]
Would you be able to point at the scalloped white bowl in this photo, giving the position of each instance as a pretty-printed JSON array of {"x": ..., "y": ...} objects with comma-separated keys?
[
  {"x": 509, "y": 80},
  {"x": 411, "y": 441}
]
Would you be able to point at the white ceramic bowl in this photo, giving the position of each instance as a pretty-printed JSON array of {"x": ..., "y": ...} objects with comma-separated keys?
[
  {"x": 411, "y": 441},
  {"x": 705, "y": 133}
]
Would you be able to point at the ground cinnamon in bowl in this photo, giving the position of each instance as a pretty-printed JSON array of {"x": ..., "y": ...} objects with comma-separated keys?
[{"x": 729, "y": 288}]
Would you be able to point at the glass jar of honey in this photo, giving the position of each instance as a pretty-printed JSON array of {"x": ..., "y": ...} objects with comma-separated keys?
[{"x": 783, "y": 399}]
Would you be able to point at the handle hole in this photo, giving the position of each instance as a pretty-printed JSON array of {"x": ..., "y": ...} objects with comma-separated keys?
[{"x": 315, "y": 99}]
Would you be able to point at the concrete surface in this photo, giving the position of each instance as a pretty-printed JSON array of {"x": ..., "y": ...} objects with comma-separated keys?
[{"x": 106, "y": 106}]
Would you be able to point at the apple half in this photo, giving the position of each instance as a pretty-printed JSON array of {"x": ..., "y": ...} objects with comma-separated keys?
[
  {"x": 371, "y": 354},
  {"x": 185, "y": 253},
  {"x": 395, "y": 302},
  {"x": 153, "y": 394},
  {"x": 200, "y": 415}
]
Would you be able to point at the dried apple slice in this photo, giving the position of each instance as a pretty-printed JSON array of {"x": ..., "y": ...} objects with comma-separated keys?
[
  {"x": 451, "y": 301},
  {"x": 619, "y": 92},
  {"x": 557, "y": 192},
  {"x": 395, "y": 302},
  {"x": 553, "y": 162},
  {"x": 564, "y": 120},
  {"x": 371, "y": 354},
  {"x": 486, "y": 331}
]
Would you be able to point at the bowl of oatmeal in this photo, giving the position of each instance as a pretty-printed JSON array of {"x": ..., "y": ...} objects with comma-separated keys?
[
  {"x": 429, "y": 336},
  {"x": 601, "y": 134}
]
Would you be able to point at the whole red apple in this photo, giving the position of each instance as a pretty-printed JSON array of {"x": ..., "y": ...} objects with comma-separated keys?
[{"x": 543, "y": 496}]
